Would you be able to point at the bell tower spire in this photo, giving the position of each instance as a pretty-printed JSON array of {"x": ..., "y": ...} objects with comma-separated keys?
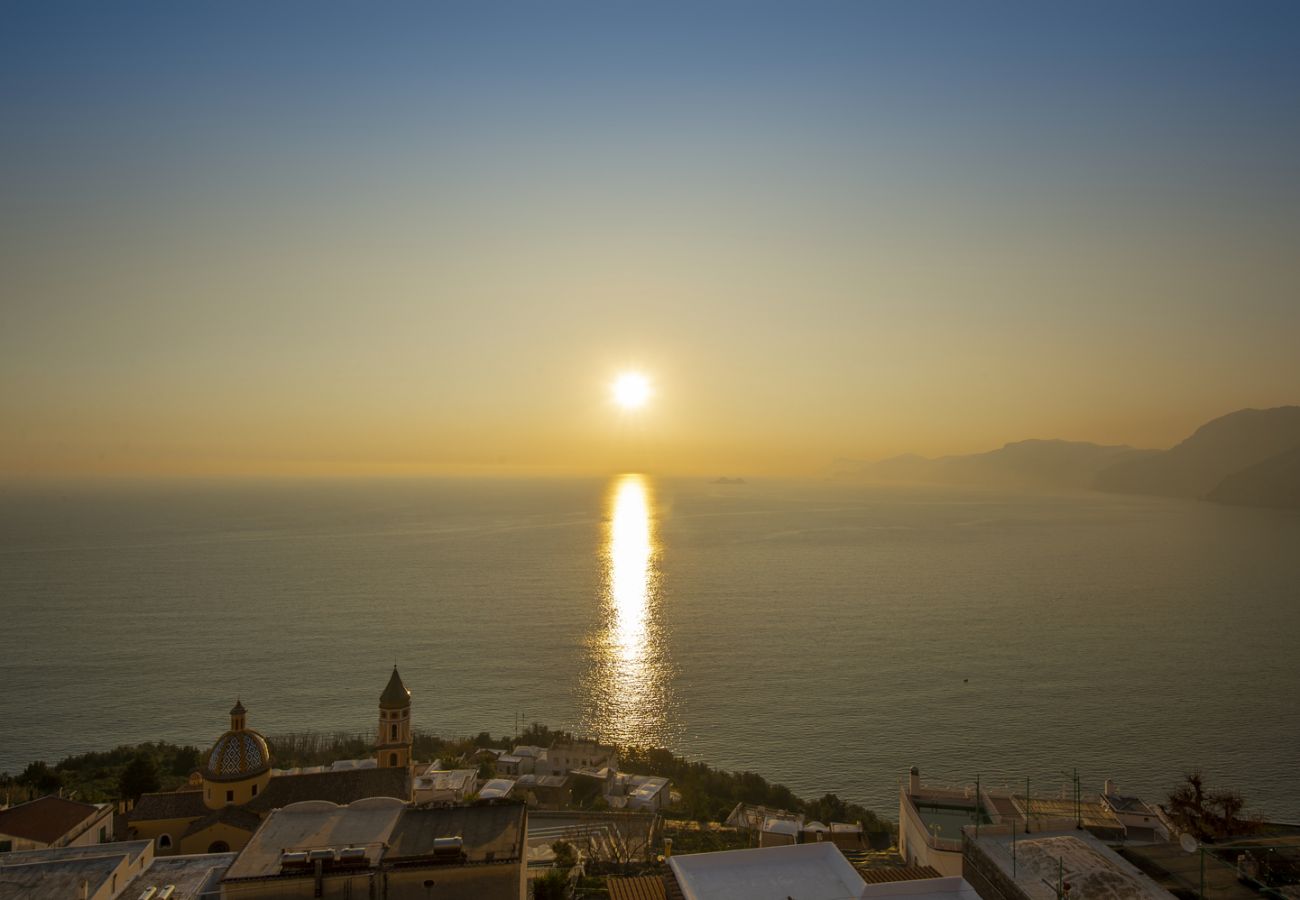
[{"x": 393, "y": 749}]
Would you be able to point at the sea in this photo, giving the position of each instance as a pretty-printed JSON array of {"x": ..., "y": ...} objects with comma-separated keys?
[{"x": 826, "y": 635}]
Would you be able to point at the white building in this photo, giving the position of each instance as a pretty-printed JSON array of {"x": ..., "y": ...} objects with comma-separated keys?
[
  {"x": 523, "y": 760},
  {"x": 1141, "y": 821},
  {"x": 443, "y": 786},
  {"x": 496, "y": 789},
  {"x": 778, "y": 832},
  {"x": 949, "y": 888},
  {"x": 564, "y": 756},
  {"x": 807, "y": 871}
]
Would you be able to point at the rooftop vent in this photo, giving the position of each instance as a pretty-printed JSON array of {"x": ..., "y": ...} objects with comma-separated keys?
[
  {"x": 448, "y": 844},
  {"x": 327, "y": 854},
  {"x": 148, "y": 893},
  {"x": 166, "y": 892},
  {"x": 294, "y": 859},
  {"x": 353, "y": 856}
]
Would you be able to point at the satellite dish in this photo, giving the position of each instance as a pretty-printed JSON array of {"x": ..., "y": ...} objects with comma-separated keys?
[{"x": 1188, "y": 843}]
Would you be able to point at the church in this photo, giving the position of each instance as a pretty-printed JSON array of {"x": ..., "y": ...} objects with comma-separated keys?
[{"x": 235, "y": 789}]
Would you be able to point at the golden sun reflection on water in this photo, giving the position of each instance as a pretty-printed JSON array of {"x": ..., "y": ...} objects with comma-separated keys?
[{"x": 629, "y": 680}]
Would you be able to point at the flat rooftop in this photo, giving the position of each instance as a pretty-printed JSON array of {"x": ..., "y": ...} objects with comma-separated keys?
[
  {"x": 191, "y": 875},
  {"x": 1093, "y": 870},
  {"x": 446, "y": 779},
  {"x": 807, "y": 871},
  {"x": 1091, "y": 813}
]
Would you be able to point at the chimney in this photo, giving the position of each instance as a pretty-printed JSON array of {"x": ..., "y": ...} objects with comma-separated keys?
[
  {"x": 914, "y": 781},
  {"x": 83, "y": 893},
  {"x": 1109, "y": 787}
]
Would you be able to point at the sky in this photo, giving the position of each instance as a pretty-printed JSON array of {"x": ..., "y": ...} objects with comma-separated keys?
[{"x": 347, "y": 238}]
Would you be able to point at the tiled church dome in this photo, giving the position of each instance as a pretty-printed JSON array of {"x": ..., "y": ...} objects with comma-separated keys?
[{"x": 236, "y": 755}]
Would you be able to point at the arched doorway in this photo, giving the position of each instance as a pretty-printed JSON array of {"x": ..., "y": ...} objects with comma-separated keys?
[{"x": 218, "y": 847}]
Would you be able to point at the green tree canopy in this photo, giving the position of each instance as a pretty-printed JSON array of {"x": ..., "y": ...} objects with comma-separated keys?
[{"x": 139, "y": 777}]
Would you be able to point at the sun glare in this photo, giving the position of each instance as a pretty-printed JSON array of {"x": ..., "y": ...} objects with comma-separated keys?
[{"x": 631, "y": 390}]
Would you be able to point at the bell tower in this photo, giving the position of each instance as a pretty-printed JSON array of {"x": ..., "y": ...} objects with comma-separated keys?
[{"x": 393, "y": 749}]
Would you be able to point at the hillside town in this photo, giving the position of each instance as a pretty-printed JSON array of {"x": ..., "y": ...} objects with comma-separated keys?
[{"x": 564, "y": 820}]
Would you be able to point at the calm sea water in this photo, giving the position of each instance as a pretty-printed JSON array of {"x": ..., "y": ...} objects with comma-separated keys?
[{"x": 826, "y": 636}]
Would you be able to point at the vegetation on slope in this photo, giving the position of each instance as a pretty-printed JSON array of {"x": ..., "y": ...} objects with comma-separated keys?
[
  {"x": 708, "y": 794},
  {"x": 101, "y": 776}
]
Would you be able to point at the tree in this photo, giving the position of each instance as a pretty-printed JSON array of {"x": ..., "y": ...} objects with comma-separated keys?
[
  {"x": 40, "y": 776},
  {"x": 185, "y": 761},
  {"x": 554, "y": 885},
  {"x": 139, "y": 777},
  {"x": 1204, "y": 815},
  {"x": 565, "y": 856},
  {"x": 830, "y": 808}
]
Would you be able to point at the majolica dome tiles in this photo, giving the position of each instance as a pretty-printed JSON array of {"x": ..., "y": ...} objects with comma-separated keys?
[{"x": 238, "y": 753}]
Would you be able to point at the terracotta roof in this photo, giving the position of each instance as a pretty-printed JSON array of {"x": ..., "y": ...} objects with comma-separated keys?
[
  {"x": 234, "y": 816},
  {"x": 395, "y": 696},
  {"x": 45, "y": 820},
  {"x": 173, "y": 805},
  {"x": 898, "y": 873},
  {"x": 641, "y": 887},
  {"x": 337, "y": 787}
]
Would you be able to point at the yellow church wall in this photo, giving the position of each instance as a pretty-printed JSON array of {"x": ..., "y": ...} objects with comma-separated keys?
[
  {"x": 200, "y": 841},
  {"x": 153, "y": 829},
  {"x": 217, "y": 794}
]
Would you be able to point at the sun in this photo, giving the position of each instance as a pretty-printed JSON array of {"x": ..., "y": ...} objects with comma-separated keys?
[{"x": 631, "y": 390}]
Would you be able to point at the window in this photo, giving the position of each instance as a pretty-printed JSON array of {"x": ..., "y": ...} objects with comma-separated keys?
[
  {"x": 218, "y": 847},
  {"x": 164, "y": 841},
  {"x": 230, "y": 796},
  {"x": 6, "y": 846},
  {"x": 103, "y": 834},
  {"x": 394, "y": 734},
  {"x": 392, "y": 759},
  {"x": 254, "y": 792}
]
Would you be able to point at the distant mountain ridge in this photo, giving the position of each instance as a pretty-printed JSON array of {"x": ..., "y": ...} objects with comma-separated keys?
[
  {"x": 1217, "y": 450},
  {"x": 1030, "y": 463},
  {"x": 1274, "y": 482},
  {"x": 1250, "y": 457}
]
